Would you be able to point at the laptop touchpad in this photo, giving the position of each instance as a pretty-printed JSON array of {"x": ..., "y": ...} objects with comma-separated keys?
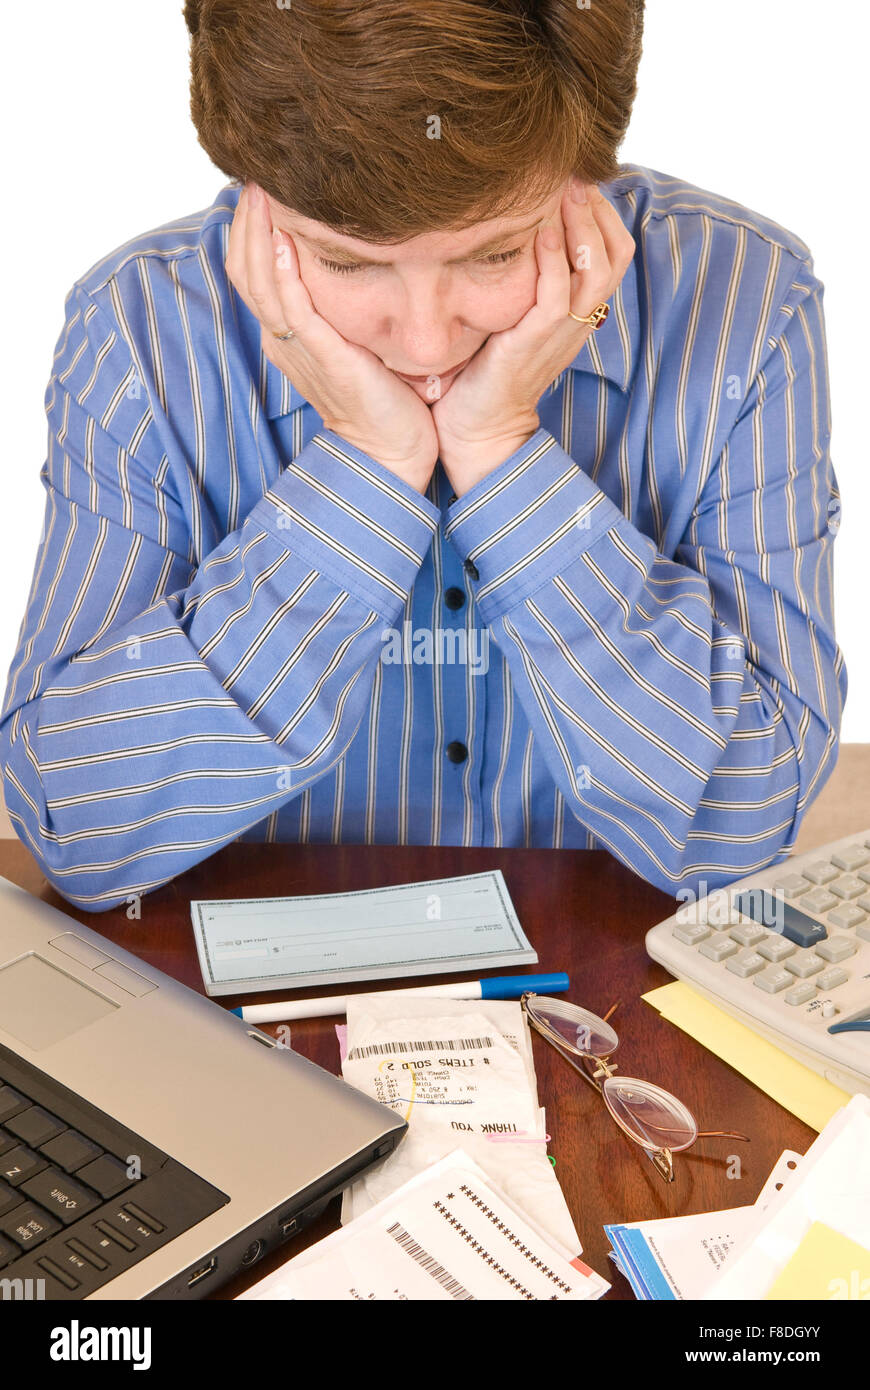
[{"x": 41, "y": 1005}]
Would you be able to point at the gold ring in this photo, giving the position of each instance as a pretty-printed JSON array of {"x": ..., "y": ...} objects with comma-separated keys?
[
  {"x": 596, "y": 318},
  {"x": 284, "y": 336}
]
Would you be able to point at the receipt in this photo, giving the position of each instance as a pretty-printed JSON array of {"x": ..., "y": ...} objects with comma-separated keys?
[{"x": 459, "y": 1072}]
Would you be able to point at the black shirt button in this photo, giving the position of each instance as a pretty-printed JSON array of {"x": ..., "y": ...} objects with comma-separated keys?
[
  {"x": 454, "y": 598},
  {"x": 451, "y": 499},
  {"x": 457, "y": 752},
  {"x": 471, "y": 569}
]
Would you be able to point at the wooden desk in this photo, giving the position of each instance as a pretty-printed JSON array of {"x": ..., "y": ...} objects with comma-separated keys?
[{"x": 585, "y": 914}]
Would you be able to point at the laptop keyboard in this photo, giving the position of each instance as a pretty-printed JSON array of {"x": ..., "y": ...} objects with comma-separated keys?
[{"x": 82, "y": 1198}]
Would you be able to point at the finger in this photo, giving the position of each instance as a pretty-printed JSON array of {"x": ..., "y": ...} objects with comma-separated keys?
[
  {"x": 295, "y": 302},
  {"x": 235, "y": 259},
  {"x": 618, "y": 242},
  {"x": 587, "y": 249},
  {"x": 259, "y": 264},
  {"x": 554, "y": 277}
]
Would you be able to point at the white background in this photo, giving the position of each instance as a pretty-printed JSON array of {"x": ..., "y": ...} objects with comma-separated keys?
[{"x": 763, "y": 101}]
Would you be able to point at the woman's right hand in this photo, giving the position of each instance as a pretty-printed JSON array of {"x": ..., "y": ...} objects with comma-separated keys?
[{"x": 355, "y": 395}]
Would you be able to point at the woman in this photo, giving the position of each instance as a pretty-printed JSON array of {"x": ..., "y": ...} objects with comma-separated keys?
[{"x": 366, "y": 522}]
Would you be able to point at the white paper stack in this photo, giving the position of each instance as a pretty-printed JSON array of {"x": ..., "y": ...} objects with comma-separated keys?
[{"x": 445, "y": 1234}]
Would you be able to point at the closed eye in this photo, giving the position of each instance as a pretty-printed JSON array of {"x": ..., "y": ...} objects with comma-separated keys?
[{"x": 349, "y": 267}]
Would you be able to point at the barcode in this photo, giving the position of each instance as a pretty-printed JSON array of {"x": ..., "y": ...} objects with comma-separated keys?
[
  {"x": 431, "y": 1266},
  {"x": 450, "y": 1045}
]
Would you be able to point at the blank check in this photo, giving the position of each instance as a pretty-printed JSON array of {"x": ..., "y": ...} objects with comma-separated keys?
[{"x": 442, "y": 925}]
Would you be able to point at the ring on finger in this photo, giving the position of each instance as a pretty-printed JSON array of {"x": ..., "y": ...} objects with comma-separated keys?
[
  {"x": 596, "y": 318},
  {"x": 291, "y": 333}
]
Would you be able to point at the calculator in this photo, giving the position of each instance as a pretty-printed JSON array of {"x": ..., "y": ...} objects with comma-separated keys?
[{"x": 787, "y": 952}]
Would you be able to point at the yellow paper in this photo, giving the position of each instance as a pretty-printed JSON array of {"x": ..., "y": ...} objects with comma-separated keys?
[
  {"x": 825, "y": 1265},
  {"x": 793, "y": 1085}
]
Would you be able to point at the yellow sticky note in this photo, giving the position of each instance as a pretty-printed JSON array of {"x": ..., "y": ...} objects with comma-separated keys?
[
  {"x": 825, "y": 1265},
  {"x": 794, "y": 1086}
]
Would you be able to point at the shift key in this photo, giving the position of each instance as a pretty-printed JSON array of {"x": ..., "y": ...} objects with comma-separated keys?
[{"x": 61, "y": 1195}]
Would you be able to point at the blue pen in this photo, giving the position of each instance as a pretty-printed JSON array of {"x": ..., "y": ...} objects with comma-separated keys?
[{"x": 499, "y": 987}]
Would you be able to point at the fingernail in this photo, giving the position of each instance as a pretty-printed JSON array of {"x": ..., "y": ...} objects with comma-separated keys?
[
  {"x": 276, "y": 241},
  {"x": 549, "y": 235},
  {"x": 578, "y": 191},
  {"x": 253, "y": 194}
]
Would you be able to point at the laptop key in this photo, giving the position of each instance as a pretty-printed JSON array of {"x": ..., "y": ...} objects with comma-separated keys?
[
  {"x": 28, "y": 1225},
  {"x": 144, "y": 1217},
  {"x": 35, "y": 1126},
  {"x": 10, "y": 1103},
  {"x": 107, "y": 1175},
  {"x": 8, "y": 1252},
  {"x": 19, "y": 1164},
  {"x": 9, "y": 1197},
  {"x": 63, "y": 1197},
  {"x": 70, "y": 1150},
  {"x": 85, "y": 1252},
  {"x": 119, "y": 1237},
  {"x": 61, "y": 1275},
  {"x": 7, "y": 1142}
]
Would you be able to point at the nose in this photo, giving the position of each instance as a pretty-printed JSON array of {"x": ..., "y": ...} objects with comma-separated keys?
[{"x": 427, "y": 336}]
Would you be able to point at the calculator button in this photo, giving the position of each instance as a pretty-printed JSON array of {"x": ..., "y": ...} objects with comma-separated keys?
[
  {"x": 848, "y": 915},
  {"x": 818, "y": 901},
  {"x": 718, "y": 947},
  {"x": 800, "y": 994},
  {"x": 863, "y": 902},
  {"x": 770, "y": 910},
  {"x": 746, "y": 963},
  {"x": 852, "y": 857},
  {"x": 775, "y": 947},
  {"x": 837, "y": 948},
  {"x": 820, "y": 872},
  {"x": 747, "y": 933},
  {"x": 804, "y": 963},
  {"x": 773, "y": 979},
  {"x": 863, "y": 930},
  {"x": 849, "y": 886},
  {"x": 829, "y": 979},
  {"x": 691, "y": 932},
  {"x": 793, "y": 884}
]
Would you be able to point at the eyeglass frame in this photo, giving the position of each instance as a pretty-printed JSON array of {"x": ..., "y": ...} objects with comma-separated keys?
[{"x": 662, "y": 1158}]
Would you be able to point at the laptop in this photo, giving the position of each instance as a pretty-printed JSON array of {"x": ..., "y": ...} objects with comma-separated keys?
[{"x": 152, "y": 1144}]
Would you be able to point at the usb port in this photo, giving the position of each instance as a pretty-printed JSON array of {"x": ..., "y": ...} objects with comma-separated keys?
[{"x": 202, "y": 1272}]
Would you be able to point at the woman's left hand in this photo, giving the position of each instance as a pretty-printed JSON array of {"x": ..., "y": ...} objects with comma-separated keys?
[{"x": 491, "y": 407}]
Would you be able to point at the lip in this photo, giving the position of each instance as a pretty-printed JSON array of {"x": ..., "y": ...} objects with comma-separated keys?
[{"x": 428, "y": 375}]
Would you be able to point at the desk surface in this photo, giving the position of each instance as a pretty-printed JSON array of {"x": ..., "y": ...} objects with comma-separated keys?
[{"x": 585, "y": 914}]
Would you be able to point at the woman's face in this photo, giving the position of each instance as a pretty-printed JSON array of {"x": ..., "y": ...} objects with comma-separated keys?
[{"x": 426, "y": 305}]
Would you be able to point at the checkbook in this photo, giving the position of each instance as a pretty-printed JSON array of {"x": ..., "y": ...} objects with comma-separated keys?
[{"x": 437, "y": 926}]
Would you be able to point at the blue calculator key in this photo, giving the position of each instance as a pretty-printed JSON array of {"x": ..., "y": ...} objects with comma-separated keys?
[{"x": 771, "y": 911}]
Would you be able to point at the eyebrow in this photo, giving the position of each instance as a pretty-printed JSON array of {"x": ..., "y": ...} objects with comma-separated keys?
[{"x": 341, "y": 253}]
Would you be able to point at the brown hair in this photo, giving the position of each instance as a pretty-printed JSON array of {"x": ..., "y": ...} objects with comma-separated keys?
[{"x": 333, "y": 106}]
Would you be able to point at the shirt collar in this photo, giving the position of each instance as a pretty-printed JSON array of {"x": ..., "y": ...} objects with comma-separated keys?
[{"x": 609, "y": 352}]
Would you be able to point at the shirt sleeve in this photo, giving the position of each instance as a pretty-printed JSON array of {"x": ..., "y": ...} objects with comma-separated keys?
[
  {"x": 688, "y": 704},
  {"x": 156, "y": 708}
]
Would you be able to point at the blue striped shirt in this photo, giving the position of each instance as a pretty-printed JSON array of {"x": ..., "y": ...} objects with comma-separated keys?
[{"x": 242, "y": 627}]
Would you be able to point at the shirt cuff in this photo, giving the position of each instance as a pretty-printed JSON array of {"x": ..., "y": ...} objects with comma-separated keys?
[
  {"x": 352, "y": 520},
  {"x": 525, "y": 522}
]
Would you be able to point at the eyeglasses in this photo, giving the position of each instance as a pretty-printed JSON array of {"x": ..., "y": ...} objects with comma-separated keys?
[{"x": 651, "y": 1117}]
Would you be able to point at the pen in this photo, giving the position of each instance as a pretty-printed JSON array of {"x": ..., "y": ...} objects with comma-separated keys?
[{"x": 499, "y": 987}]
